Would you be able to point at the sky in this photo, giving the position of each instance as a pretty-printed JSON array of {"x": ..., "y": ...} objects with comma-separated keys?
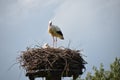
[{"x": 90, "y": 25}]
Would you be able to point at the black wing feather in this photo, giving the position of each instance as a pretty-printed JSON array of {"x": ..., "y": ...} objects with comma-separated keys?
[{"x": 59, "y": 32}]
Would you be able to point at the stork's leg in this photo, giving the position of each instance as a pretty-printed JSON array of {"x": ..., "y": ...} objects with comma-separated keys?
[
  {"x": 56, "y": 41},
  {"x": 53, "y": 41}
]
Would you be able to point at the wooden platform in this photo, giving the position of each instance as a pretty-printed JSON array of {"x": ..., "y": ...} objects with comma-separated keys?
[{"x": 53, "y": 74}]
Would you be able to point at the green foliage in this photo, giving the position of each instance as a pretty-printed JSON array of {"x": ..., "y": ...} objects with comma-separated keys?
[
  {"x": 115, "y": 70},
  {"x": 102, "y": 74}
]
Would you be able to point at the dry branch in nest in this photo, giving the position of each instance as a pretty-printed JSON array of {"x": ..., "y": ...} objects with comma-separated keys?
[{"x": 63, "y": 60}]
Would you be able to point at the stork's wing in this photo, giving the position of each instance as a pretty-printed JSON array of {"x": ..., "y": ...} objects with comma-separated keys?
[
  {"x": 56, "y": 28},
  {"x": 59, "y": 32}
]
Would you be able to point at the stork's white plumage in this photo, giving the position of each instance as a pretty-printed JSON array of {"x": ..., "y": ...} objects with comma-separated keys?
[
  {"x": 55, "y": 31},
  {"x": 46, "y": 45}
]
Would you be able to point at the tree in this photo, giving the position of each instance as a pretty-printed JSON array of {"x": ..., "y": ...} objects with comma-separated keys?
[{"x": 102, "y": 74}]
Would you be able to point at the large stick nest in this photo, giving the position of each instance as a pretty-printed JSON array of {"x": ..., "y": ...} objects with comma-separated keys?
[{"x": 63, "y": 59}]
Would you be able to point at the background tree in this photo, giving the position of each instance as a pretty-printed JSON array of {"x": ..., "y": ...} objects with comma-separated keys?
[{"x": 102, "y": 74}]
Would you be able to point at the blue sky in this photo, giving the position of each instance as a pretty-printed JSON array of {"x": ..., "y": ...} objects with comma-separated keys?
[{"x": 91, "y": 25}]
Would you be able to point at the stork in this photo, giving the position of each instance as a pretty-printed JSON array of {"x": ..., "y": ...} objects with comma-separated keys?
[{"x": 55, "y": 32}]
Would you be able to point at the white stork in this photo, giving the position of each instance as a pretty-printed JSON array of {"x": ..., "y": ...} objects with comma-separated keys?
[{"x": 55, "y": 31}]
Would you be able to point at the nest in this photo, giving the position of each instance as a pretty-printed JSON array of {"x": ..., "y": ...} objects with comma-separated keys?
[{"x": 63, "y": 60}]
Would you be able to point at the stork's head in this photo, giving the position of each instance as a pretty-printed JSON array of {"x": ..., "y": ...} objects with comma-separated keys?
[{"x": 50, "y": 23}]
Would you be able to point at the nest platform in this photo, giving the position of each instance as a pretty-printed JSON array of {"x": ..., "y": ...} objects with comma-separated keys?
[{"x": 52, "y": 63}]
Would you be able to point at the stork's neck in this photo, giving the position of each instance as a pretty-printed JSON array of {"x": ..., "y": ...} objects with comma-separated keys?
[{"x": 49, "y": 25}]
